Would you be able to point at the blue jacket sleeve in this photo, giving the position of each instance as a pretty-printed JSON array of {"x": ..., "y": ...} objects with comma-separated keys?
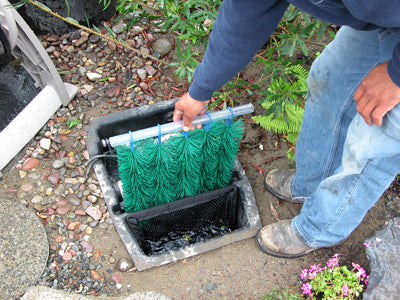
[
  {"x": 240, "y": 30},
  {"x": 394, "y": 63}
]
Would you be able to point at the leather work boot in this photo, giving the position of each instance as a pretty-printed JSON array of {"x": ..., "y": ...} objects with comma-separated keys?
[
  {"x": 279, "y": 240},
  {"x": 277, "y": 182}
]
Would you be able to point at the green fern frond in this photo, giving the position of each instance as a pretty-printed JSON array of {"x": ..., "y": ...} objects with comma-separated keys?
[
  {"x": 279, "y": 125},
  {"x": 301, "y": 75}
]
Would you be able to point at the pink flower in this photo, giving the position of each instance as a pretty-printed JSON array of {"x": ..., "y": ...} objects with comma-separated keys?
[
  {"x": 312, "y": 275},
  {"x": 314, "y": 267},
  {"x": 361, "y": 273},
  {"x": 333, "y": 261},
  {"x": 306, "y": 288},
  {"x": 366, "y": 244},
  {"x": 345, "y": 290},
  {"x": 304, "y": 274}
]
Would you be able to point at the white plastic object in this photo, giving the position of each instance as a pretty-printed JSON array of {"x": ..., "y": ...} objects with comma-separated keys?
[
  {"x": 126, "y": 138},
  {"x": 27, "y": 47}
]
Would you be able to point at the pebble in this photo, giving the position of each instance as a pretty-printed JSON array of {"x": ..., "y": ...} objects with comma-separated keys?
[
  {"x": 95, "y": 275},
  {"x": 63, "y": 210},
  {"x": 73, "y": 200},
  {"x": 52, "y": 38},
  {"x": 142, "y": 73},
  {"x": 75, "y": 35},
  {"x": 93, "y": 76},
  {"x": 67, "y": 256},
  {"x": 30, "y": 163},
  {"x": 94, "y": 212},
  {"x": 92, "y": 198},
  {"x": 26, "y": 187},
  {"x": 71, "y": 180},
  {"x": 150, "y": 70},
  {"x": 50, "y": 49},
  {"x": 81, "y": 40},
  {"x": 162, "y": 46},
  {"x": 58, "y": 164},
  {"x": 144, "y": 86},
  {"x": 36, "y": 199},
  {"x": 119, "y": 28},
  {"x": 80, "y": 212},
  {"x": 86, "y": 246},
  {"x": 53, "y": 178},
  {"x": 124, "y": 264},
  {"x": 113, "y": 91},
  {"x": 74, "y": 225},
  {"x": 117, "y": 277}
]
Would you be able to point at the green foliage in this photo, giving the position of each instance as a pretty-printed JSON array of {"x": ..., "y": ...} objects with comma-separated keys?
[
  {"x": 234, "y": 87},
  {"x": 186, "y": 62},
  {"x": 289, "y": 126},
  {"x": 298, "y": 28},
  {"x": 191, "y": 19},
  {"x": 283, "y": 102},
  {"x": 72, "y": 123},
  {"x": 106, "y": 3},
  {"x": 334, "y": 281}
]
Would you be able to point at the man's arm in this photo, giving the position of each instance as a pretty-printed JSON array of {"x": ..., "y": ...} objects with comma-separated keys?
[{"x": 241, "y": 28}]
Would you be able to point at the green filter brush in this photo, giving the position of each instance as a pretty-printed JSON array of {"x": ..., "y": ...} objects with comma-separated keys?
[{"x": 161, "y": 169}]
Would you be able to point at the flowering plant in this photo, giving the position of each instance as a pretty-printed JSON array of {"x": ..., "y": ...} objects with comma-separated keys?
[{"x": 334, "y": 281}]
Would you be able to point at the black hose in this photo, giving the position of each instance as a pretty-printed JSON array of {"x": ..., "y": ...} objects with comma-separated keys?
[{"x": 6, "y": 56}]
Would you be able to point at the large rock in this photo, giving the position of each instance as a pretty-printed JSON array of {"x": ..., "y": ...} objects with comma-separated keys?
[
  {"x": 23, "y": 249},
  {"x": 42, "y": 22},
  {"x": 384, "y": 257}
]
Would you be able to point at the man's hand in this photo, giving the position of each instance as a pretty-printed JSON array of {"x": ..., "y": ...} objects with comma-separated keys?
[
  {"x": 376, "y": 95},
  {"x": 186, "y": 108}
]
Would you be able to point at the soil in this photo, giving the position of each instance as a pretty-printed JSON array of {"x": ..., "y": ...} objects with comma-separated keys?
[{"x": 239, "y": 270}]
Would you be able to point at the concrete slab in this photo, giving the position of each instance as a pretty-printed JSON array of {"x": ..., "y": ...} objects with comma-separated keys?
[{"x": 24, "y": 249}]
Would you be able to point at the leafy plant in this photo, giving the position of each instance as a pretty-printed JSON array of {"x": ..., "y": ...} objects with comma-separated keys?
[
  {"x": 192, "y": 20},
  {"x": 72, "y": 123},
  {"x": 231, "y": 88},
  {"x": 106, "y": 3},
  {"x": 186, "y": 62},
  {"x": 189, "y": 18},
  {"x": 297, "y": 29},
  {"x": 283, "y": 102},
  {"x": 334, "y": 281}
]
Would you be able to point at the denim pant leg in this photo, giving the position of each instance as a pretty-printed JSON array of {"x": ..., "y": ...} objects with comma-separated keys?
[{"x": 329, "y": 111}]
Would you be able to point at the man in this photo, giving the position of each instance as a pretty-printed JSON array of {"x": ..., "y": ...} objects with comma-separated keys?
[{"x": 348, "y": 150}]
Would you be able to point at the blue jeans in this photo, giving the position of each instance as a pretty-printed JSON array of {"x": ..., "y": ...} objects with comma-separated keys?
[{"x": 343, "y": 165}]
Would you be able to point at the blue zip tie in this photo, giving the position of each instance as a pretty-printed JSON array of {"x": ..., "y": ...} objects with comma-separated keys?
[
  {"x": 159, "y": 134},
  {"x": 186, "y": 134},
  {"x": 131, "y": 141},
  {"x": 207, "y": 126},
  {"x": 228, "y": 121}
]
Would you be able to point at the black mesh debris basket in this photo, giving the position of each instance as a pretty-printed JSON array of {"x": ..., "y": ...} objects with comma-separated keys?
[
  {"x": 158, "y": 236},
  {"x": 186, "y": 221}
]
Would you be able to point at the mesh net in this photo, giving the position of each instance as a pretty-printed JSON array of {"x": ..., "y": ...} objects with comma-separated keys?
[
  {"x": 186, "y": 221},
  {"x": 154, "y": 174}
]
